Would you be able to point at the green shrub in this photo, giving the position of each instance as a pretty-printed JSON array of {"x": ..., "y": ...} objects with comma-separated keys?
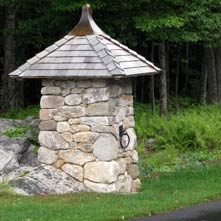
[
  {"x": 19, "y": 131},
  {"x": 197, "y": 127},
  {"x": 21, "y": 113}
]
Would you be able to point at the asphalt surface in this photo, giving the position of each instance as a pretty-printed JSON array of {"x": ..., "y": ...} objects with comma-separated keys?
[{"x": 205, "y": 212}]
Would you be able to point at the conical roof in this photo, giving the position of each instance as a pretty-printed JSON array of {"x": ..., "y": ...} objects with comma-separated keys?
[{"x": 86, "y": 52}]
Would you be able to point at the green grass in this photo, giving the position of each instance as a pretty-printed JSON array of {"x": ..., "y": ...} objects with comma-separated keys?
[
  {"x": 21, "y": 113},
  {"x": 168, "y": 192},
  {"x": 19, "y": 131}
]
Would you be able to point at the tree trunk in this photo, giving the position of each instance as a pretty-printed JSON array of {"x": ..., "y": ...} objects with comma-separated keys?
[
  {"x": 186, "y": 81},
  {"x": 177, "y": 79},
  {"x": 218, "y": 71},
  {"x": 152, "y": 83},
  {"x": 12, "y": 90},
  {"x": 163, "y": 79},
  {"x": 204, "y": 78},
  {"x": 212, "y": 83}
]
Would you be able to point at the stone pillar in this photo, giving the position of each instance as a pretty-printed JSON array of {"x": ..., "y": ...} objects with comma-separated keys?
[{"x": 79, "y": 132}]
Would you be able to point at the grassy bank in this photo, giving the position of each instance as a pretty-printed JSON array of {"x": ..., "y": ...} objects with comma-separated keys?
[
  {"x": 168, "y": 192},
  {"x": 187, "y": 138}
]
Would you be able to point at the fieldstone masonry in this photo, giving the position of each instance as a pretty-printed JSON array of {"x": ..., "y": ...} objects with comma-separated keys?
[{"x": 79, "y": 132}]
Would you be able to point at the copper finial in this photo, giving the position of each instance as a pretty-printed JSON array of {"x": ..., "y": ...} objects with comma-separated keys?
[{"x": 86, "y": 25}]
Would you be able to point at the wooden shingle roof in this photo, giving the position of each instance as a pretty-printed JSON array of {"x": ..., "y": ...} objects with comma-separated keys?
[{"x": 86, "y": 52}]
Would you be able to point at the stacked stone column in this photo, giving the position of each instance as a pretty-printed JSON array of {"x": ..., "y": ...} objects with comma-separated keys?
[{"x": 79, "y": 132}]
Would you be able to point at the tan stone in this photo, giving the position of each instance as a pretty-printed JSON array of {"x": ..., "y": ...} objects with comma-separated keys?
[
  {"x": 85, "y": 137},
  {"x": 74, "y": 121},
  {"x": 136, "y": 185},
  {"x": 77, "y": 90},
  {"x": 46, "y": 114},
  {"x": 80, "y": 128},
  {"x": 59, "y": 118},
  {"x": 126, "y": 123},
  {"x": 58, "y": 164},
  {"x": 74, "y": 171},
  {"x": 67, "y": 136},
  {"x": 101, "y": 172},
  {"x": 125, "y": 100},
  {"x": 85, "y": 147},
  {"x": 63, "y": 127},
  {"x": 100, "y": 187},
  {"x": 133, "y": 154},
  {"x": 75, "y": 156}
]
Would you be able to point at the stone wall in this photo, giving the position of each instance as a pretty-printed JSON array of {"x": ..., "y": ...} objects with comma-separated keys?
[{"x": 79, "y": 132}]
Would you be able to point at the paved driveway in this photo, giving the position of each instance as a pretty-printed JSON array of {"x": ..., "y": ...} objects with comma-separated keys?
[{"x": 205, "y": 212}]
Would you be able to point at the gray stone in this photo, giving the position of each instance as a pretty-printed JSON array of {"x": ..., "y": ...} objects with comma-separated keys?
[
  {"x": 51, "y": 90},
  {"x": 66, "y": 92},
  {"x": 101, "y": 129},
  {"x": 100, "y": 187},
  {"x": 73, "y": 99},
  {"x": 99, "y": 83},
  {"x": 133, "y": 139},
  {"x": 7, "y": 124},
  {"x": 120, "y": 115},
  {"x": 71, "y": 112},
  {"x": 130, "y": 111},
  {"x": 93, "y": 95},
  {"x": 46, "y": 155},
  {"x": 52, "y": 140},
  {"x": 74, "y": 171},
  {"x": 47, "y": 180},
  {"x": 77, "y": 90},
  {"x": 63, "y": 127},
  {"x": 150, "y": 143},
  {"x": 83, "y": 84},
  {"x": 98, "y": 109},
  {"x": 102, "y": 172},
  {"x": 133, "y": 170},
  {"x": 95, "y": 121},
  {"x": 65, "y": 84},
  {"x": 124, "y": 184},
  {"x": 105, "y": 147},
  {"x": 123, "y": 165},
  {"x": 125, "y": 100},
  {"x": 115, "y": 90},
  {"x": 48, "y": 83},
  {"x": 85, "y": 137},
  {"x": 48, "y": 125},
  {"x": 11, "y": 151},
  {"x": 76, "y": 157},
  {"x": 51, "y": 101}
]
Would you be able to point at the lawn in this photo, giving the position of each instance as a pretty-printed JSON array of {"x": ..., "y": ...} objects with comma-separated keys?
[{"x": 174, "y": 190}]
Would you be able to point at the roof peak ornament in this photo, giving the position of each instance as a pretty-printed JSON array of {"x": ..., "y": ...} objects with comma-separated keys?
[{"x": 86, "y": 24}]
